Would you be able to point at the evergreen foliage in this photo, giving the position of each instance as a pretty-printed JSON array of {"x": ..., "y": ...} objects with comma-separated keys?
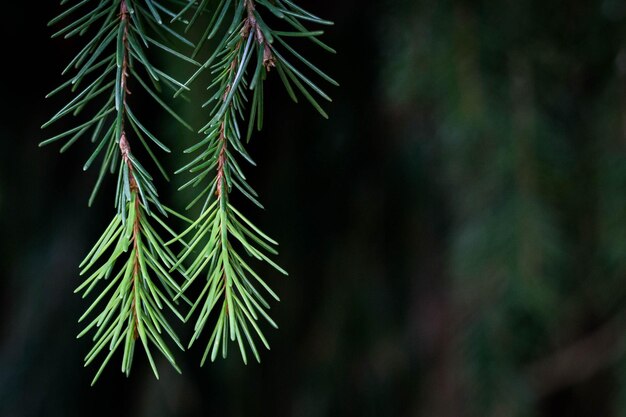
[
  {"x": 130, "y": 267},
  {"x": 243, "y": 56}
]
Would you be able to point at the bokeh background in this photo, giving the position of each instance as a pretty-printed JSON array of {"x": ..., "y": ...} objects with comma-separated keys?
[{"x": 455, "y": 233}]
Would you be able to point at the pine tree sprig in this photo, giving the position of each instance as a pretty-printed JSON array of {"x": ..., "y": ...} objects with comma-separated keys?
[
  {"x": 130, "y": 264},
  {"x": 117, "y": 51},
  {"x": 129, "y": 269},
  {"x": 138, "y": 287},
  {"x": 217, "y": 240}
]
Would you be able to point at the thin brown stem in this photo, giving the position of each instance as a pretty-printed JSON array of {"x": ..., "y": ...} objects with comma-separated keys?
[
  {"x": 222, "y": 157},
  {"x": 251, "y": 25},
  {"x": 123, "y": 142},
  {"x": 125, "y": 152},
  {"x": 221, "y": 162}
]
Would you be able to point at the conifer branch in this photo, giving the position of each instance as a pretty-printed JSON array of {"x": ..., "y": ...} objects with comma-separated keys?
[
  {"x": 241, "y": 61},
  {"x": 130, "y": 259}
]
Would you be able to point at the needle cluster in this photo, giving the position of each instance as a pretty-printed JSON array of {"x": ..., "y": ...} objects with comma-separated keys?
[{"x": 133, "y": 273}]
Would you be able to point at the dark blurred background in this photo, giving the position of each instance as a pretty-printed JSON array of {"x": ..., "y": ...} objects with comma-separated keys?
[{"x": 455, "y": 233}]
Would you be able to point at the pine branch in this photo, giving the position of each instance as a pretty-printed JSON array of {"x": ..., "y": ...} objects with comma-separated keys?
[
  {"x": 241, "y": 61},
  {"x": 229, "y": 287},
  {"x": 117, "y": 50},
  {"x": 130, "y": 258},
  {"x": 137, "y": 290}
]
